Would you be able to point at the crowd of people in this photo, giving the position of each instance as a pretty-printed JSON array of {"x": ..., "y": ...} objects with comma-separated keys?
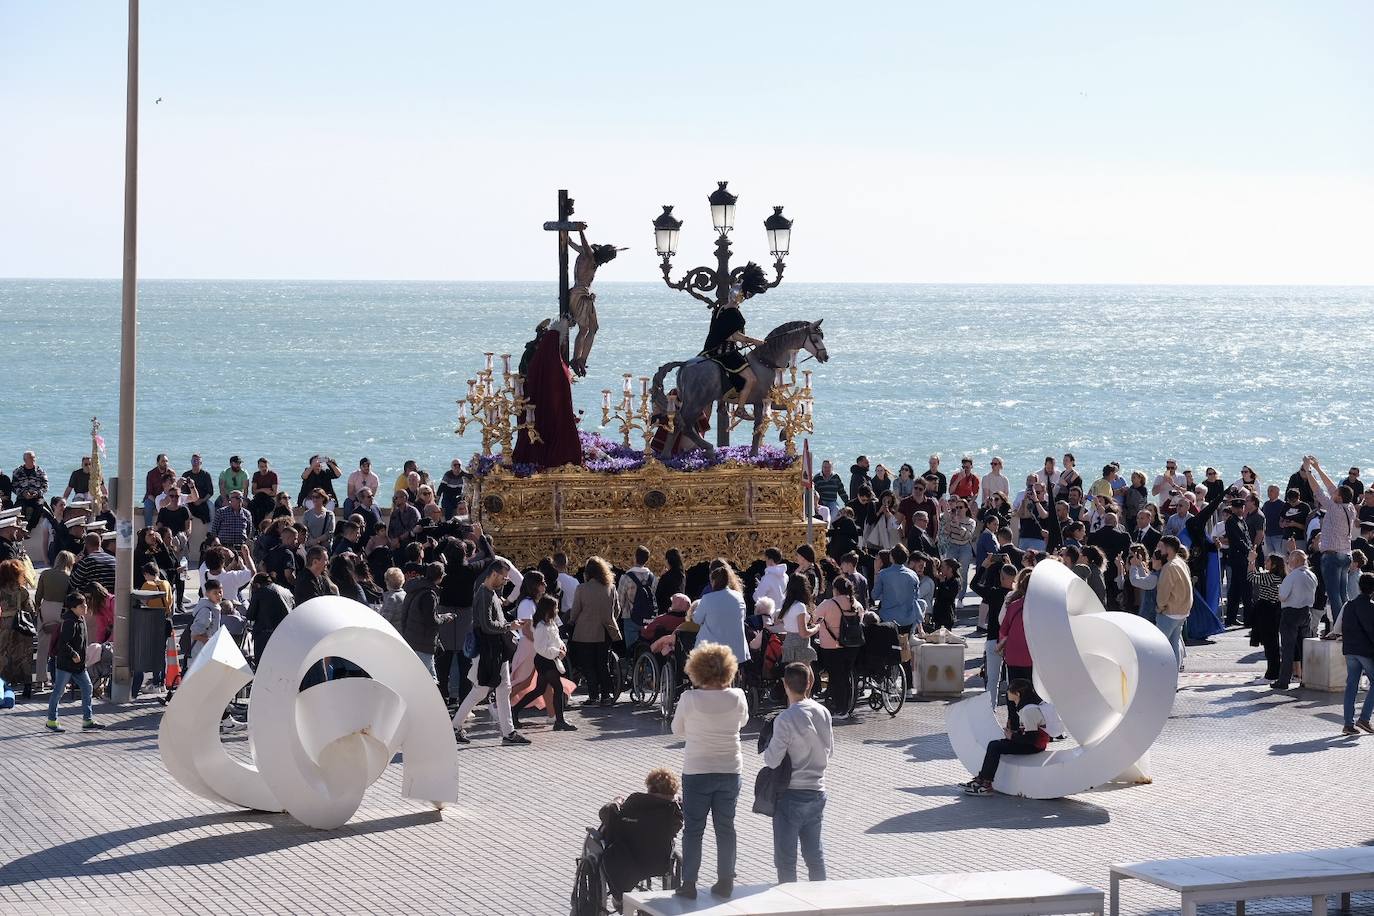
[{"x": 905, "y": 551}]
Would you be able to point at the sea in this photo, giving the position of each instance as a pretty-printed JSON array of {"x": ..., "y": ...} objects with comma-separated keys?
[{"x": 1214, "y": 375}]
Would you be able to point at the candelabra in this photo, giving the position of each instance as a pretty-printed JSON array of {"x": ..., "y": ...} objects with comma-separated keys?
[
  {"x": 630, "y": 416},
  {"x": 790, "y": 407},
  {"x": 501, "y": 409}
]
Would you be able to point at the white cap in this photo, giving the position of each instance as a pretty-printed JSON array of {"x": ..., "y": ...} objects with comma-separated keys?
[
  {"x": 79, "y": 504},
  {"x": 95, "y": 526},
  {"x": 107, "y": 535},
  {"x": 9, "y": 522},
  {"x": 77, "y": 522}
]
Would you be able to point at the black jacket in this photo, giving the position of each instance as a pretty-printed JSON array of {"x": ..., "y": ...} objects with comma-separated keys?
[
  {"x": 267, "y": 609},
  {"x": 1357, "y": 627},
  {"x": 69, "y": 654},
  {"x": 420, "y": 616},
  {"x": 639, "y": 838}
]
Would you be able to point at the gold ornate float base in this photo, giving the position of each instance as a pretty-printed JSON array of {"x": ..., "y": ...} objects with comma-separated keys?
[{"x": 732, "y": 511}]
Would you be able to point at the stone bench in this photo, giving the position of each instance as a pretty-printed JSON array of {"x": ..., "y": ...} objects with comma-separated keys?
[
  {"x": 1032, "y": 893},
  {"x": 1226, "y": 879}
]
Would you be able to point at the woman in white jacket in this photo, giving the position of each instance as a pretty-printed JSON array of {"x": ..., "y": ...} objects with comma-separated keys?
[{"x": 549, "y": 651}]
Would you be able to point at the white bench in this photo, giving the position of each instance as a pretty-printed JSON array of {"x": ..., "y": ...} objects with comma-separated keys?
[
  {"x": 1224, "y": 879},
  {"x": 1006, "y": 893}
]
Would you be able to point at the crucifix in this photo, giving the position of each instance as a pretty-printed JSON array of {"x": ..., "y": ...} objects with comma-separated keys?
[{"x": 563, "y": 225}]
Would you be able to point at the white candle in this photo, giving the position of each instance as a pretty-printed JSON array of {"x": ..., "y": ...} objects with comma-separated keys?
[
  {"x": 519, "y": 387},
  {"x": 605, "y": 399},
  {"x": 462, "y": 410},
  {"x": 505, "y": 363},
  {"x": 794, "y": 360},
  {"x": 490, "y": 363},
  {"x": 644, "y": 385},
  {"x": 472, "y": 386},
  {"x": 777, "y": 378},
  {"x": 767, "y": 410},
  {"x": 806, "y": 377},
  {"x": 628, "y": 377},
  {"x": 529, "y": 416},
  {"x": 672, "y": 403}
]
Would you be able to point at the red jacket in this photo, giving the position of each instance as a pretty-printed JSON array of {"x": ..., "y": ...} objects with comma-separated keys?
[{"x": 1013, "y": 629}]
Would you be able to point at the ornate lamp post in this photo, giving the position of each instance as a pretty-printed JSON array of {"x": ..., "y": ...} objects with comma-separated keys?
[{"x": 701, "y": 280}]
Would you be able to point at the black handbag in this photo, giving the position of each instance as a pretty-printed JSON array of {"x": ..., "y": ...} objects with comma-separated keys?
[{"x": 25, "y": 623}]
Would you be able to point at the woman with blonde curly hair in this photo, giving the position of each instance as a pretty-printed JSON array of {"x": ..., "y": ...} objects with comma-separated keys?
[{"x": 709, "y": 719}]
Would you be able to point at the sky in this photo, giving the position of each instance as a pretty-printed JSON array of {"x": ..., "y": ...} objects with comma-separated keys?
[{"x": 1001, "y": 142}]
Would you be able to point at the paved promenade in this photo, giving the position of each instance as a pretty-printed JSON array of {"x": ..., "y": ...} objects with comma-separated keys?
[{"x": 92, "y": 824}]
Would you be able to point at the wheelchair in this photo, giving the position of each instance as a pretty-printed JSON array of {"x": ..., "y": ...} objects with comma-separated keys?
[
  {"x": 672, "y": 678},
  {"x": 591, "y": 895},
  {"x": 879, "y": 674}
]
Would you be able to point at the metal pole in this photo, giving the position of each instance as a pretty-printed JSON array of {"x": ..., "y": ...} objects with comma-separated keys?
[{"x": 124, "y": 511}]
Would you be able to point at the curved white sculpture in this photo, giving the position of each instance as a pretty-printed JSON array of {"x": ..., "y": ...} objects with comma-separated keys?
[
  {"x": 316, "y": 751},
  {"x": 1111, "y": 676}
]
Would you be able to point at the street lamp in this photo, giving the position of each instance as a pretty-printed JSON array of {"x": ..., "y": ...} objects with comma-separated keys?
[
  {"x": 699, "y": 281},
  {"x": 666, "y": 229},
  {"x": 779, "y": 230},
  {"x": 722, "y": 208}
]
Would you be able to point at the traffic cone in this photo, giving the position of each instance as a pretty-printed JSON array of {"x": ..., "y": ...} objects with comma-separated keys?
[{"x": 173, "y": 662}]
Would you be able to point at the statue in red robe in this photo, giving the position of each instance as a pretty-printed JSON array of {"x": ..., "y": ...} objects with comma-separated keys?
[{"x": 548, "y": 388}]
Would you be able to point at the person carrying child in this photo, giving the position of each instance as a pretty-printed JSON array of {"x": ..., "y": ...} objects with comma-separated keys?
[{"x": 1028, "y": 718}]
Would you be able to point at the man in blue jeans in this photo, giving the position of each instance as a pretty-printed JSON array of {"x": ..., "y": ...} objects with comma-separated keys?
[
  {"x": 1355, "y": 627},
  {"x": 1337, "y": 530},
  {"x": 801, "y": 732}
]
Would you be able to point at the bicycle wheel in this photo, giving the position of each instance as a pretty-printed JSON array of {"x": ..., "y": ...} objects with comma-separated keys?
[
  {"x": 891, "y": 687},
  {"x": 644, "y": 679},
  {"x": 667, "y": 688}
]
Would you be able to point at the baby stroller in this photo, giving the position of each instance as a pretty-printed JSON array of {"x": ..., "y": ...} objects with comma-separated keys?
[
  {"x": 878, "y": 670},
  {"x": 591, "y": 895}
]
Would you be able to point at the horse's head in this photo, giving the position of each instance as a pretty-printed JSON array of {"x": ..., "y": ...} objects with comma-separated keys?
[{"x": 815, "y": 342}]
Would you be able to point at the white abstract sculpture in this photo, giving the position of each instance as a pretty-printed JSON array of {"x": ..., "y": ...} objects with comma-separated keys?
[
  {"x": 315, "y": 751},
  {"x": 1111, "y": 677}
]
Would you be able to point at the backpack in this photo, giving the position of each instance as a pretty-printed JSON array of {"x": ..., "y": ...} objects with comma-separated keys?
[
  {"x": 851, "y": 629},
  {"x": 851, "y": 633},
  {"x": 643, "y": 609}
]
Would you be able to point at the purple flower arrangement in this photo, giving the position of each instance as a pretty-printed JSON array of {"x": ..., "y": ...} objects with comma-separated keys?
[{"x": 606, "y": 456}]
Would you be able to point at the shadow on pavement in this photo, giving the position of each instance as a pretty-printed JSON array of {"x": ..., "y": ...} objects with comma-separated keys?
[
  {"x": 1314, "y": 745},
  {"x": 1000, "y": 812},
  {"x": 89, "y": 857}
]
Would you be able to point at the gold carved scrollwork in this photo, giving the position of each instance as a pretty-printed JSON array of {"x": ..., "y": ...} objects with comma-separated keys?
[{"x": 704, "y": 514}]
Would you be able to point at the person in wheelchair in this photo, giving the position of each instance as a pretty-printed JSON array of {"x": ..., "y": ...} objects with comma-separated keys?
[{"x": 639, "y": 833}]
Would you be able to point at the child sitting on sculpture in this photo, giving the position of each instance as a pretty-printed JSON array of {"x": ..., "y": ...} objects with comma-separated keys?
[{"x": 1027, "y": 732}]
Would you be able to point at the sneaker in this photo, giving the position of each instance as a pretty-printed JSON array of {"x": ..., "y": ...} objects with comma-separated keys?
[
  {"x": 515, "y": 738},
  {"x": 1364, "y": 726},
  {"x": 564, "y": 727},
  {"x": 229, "y": 725},
  {"x": 723, "y": 888},
  {"x": 1350, "y": 730},
  {"x": 980, "y": 631},
  {"x": 686, "y": 891},
  {"x": 52, "y": 726},
  {"x": 971, "y": 782},
  {"x": 1277, "y": 686},
  {"x": 91, "y": 724},
  {"x": 461, "y": 736},
  {"x": 978, "y": 788}
]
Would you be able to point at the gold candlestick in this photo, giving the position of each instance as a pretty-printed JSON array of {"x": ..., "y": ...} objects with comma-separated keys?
[
  {"x": 500, "y": 408},
  {"x": 630, "y": 416}
]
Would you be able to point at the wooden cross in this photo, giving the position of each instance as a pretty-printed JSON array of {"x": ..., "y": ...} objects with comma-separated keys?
[{"x": 563, "y": 225}]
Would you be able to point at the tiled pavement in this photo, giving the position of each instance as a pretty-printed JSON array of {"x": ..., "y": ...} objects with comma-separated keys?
[{"x": 91, "y": 822}]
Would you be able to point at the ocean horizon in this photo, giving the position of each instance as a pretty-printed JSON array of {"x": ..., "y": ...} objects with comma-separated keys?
[{"x": 1221, "y": 375}]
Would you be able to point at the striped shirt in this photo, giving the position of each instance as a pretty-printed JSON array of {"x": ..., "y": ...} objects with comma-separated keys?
[
  {"x": 1264, "y": 586},
  {"x": 93, "y": 567}
]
